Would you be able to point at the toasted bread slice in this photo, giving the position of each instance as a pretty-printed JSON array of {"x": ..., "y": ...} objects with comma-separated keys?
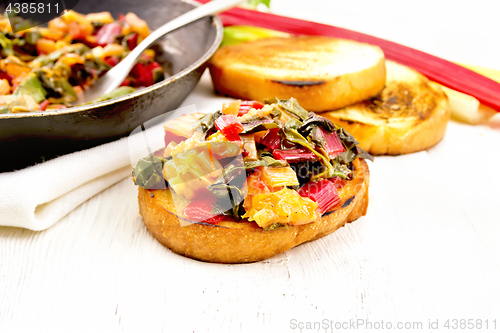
[
  {"x": 238, "y": 242},
  {"x": 322, "y": 73},
  {"x": 409, "y": 115}
]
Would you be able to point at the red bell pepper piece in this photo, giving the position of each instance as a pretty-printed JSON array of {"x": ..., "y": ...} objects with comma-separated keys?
[
  {"x": 142, "y": 76},
  {"x": 107, "y": 34},
  {"x": 43, "y": 105},
  {"x": 126, "y": 82},
  {"x": 323, "y": 192},
  {"x": 112, "y": 61},
  {"x": 294, "y": 155},
  {"x": 271, "y": 139},
  {"x": 153, "y": 65},
  {"x": 229, "y": 126},
  {"x": 132, "y": 41},
  {"x": 156, "y": 71},
  {"x": 146, "y": 74}
]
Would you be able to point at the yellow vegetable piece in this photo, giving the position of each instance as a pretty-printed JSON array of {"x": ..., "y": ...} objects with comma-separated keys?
[
  {"x": 98, "y": 52},
  {"x": 71, "y": 59},
  {"x": 5, "y": 25},
  {"x": 16, "y": 70},
  {"x": 45, "y": 46},
  {"x": 4, "y": 87},
  {"x": 102, "y": 17},
  {"x": 58, "y": 25},
  {"x": 50, "y": 34},
  {"x": 72, "y": 16},
  {"x": 274, "y": 177},
  {"x": 231, "y": 107},
  {"x": 285, "y": 206},
  {"x": 61, "y": 44},
  {"x": 135, "y": 24},
  {"x": 217, "y": 137},
  {"x": 150, "y": 53}
]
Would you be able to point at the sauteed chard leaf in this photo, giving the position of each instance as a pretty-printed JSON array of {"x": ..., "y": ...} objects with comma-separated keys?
[
  {"x": 363, "y": 154},
  {"x": 32, "y": 86},
  {"x": 314, "y": 121},
  {"x": 353, "y": 151},
  {"x": 230, "y": 201},
  {"x": 206, "y": 124},
  {"x": 6, "y": 44},
  {"x": 316, "y": 136},
  {"x": 265, "y": 161},
  {"x": 259, "y": 125},
  {"x": 148, "y": 173},
  {"x": 56, "y": 85},
  {"x": 228, "y": 188},
  {"x": 292, "y": 107}
]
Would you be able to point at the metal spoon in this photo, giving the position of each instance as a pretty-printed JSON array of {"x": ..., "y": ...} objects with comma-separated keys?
[{"x": 114, "y": 77}]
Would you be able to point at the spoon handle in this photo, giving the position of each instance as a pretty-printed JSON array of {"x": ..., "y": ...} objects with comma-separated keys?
[{"x": 120, "y": 71}]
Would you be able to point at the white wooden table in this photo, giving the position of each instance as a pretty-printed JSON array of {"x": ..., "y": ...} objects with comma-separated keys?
[{"x": 427, "y": 250}]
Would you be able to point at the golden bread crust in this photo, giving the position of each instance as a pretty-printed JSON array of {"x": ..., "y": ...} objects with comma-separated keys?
[
  {"x": 409, "y": 115},
  {"x": 322, "y": 73},
  {"x": 240, "y": 242}
]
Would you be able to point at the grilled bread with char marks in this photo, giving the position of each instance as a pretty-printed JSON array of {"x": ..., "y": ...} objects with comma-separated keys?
[
  {"x": 409, "y": 115},
  {"x": 244, "y": 241},
  {"x": 322, "y": 73}
]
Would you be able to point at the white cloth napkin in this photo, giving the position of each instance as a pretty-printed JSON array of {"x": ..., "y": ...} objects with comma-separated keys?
[{"x": 37, "y": 197}]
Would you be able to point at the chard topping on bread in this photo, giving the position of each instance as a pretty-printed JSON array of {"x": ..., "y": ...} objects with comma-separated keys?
[
  {"x": 284, "y": 148},
  {"x": 266, "y": 167}
]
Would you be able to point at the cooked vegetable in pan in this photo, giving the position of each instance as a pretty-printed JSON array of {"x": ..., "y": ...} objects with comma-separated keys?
[{"x": 46, "y": 68}]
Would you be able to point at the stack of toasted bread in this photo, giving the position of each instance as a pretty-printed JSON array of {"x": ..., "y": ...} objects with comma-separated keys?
[{"x": 390, "y": 108}]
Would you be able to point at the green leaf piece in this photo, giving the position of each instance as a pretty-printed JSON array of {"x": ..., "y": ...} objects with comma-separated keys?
[
  {"x": 148, "y": 173},
  {"x": 32, "y": 86}
]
